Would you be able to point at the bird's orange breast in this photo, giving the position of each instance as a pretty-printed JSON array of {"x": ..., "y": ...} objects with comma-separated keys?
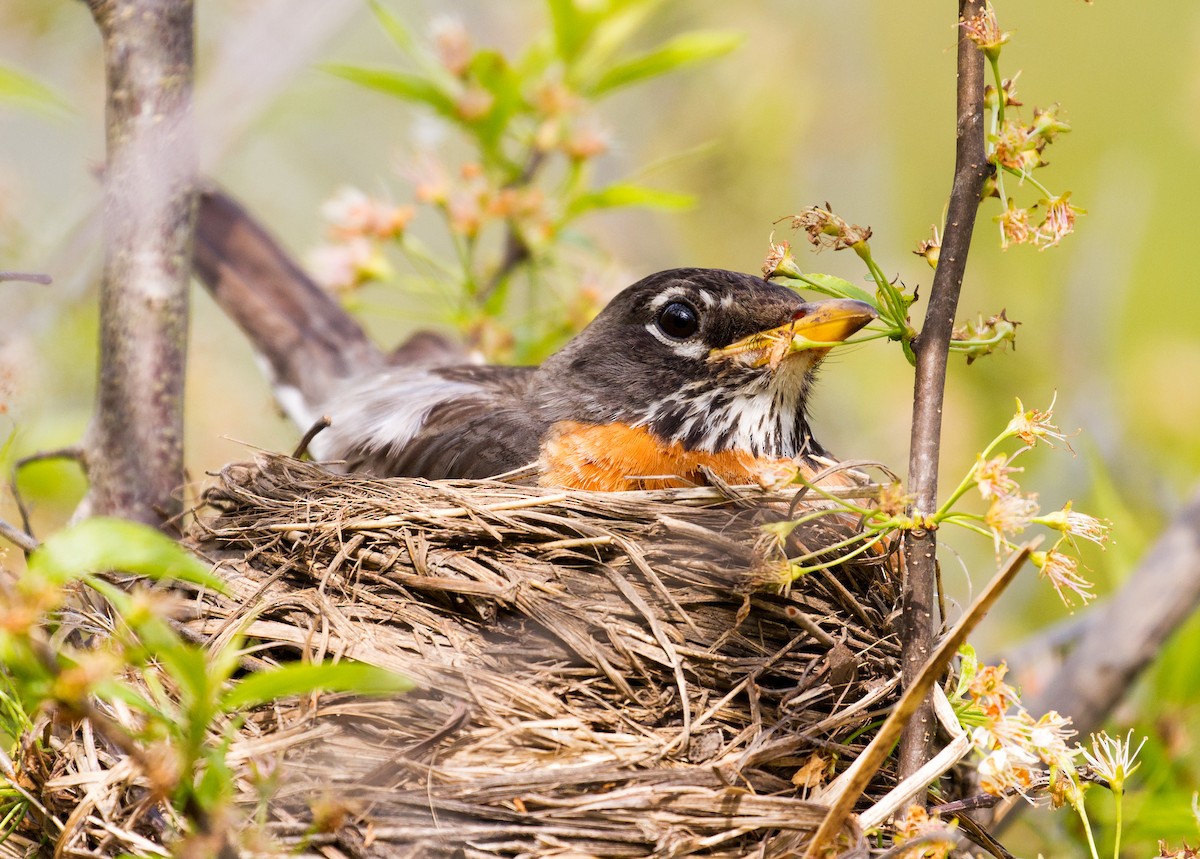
[{"x": 614, "y": 457}]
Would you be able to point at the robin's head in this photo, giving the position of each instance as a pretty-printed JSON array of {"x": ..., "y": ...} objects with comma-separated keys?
[{"x": 713, "y": 359}]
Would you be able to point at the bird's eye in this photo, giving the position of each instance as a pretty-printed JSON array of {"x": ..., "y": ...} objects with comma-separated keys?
[{"x": 678, "y": 321}]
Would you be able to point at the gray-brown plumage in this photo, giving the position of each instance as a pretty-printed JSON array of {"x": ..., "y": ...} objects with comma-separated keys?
[{"x": 680, "y": 364}]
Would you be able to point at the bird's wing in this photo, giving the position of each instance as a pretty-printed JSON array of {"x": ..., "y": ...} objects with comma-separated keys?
[
  {"x": 455, "y": 422},
  {"x": 308, "y": 344}
]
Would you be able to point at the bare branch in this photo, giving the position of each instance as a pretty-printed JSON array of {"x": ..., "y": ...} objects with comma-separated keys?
[
  {"x": 932, "y": 348},
  {"x": 135, "y": 444},
  {"x": 23, "y": 541},
  {"x": 26, "y": 277}
]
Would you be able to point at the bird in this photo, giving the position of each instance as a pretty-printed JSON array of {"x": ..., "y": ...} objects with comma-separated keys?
[{"x": 688, "y": 375}]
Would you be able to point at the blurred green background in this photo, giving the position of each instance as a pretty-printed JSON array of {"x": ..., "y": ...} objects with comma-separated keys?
[{"x": 850, "y": 102}]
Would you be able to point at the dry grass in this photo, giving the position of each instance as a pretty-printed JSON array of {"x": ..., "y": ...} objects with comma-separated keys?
[{"x": 598, "y": 674}]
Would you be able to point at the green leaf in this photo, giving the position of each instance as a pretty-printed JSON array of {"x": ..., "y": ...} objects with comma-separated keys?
[
  {"x": 683, "y": 50},
  {"x": 570, "y": 28},
  {"x": 21, "y": 89},
  {"x": 394, "y": 27},
  {"x": 495, "y": 75},
  {"x": 827, "y": 284},
  {"x": 300, "y": 679},
  {"x": 608, "y": 36},
  {"x": 99, "y": 544},
  {"x": 406, "y": 86},
  {"x": 625, "y": 194}
]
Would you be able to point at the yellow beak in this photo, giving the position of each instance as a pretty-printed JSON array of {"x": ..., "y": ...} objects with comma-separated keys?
[{"x": 817, "y": 325}]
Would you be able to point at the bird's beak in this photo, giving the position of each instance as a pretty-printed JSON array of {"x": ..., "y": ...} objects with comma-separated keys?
[{"x": 816, "y": 325}]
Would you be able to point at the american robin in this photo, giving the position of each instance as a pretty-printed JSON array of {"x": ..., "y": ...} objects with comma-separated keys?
[{"x": 688, "y": 372}]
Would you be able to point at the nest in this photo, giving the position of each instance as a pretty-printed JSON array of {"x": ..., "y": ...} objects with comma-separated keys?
[{"x": 596, "y": 674}]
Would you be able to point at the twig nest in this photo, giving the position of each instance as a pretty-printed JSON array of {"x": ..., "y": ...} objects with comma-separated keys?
[
  {"x": 611, "y": 674},
  {"x": 625, "y": 674}
]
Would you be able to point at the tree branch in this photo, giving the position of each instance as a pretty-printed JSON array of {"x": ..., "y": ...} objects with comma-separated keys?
[
  {"x": 135, "y": 442},
  {"x": 932, "y": 348}
]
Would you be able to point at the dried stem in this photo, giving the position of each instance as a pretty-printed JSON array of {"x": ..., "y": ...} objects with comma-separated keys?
[
  {"x": 932, "y": 347},
  {"x": 515, "y": 249},
  {"x": 135, "y": 444},
  {"x": 859, "y": 775}
]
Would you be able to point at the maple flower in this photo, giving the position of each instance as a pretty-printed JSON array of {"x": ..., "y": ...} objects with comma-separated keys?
[
  {"x": 1058, "y": 223},
  {"x": 584, "y": 143},
  {"x": 351, "y": 213},
  {"x": 1010, "y": 514},
  {"x": 935, "y": 838},
  {"x": 989, "y": 690},
  {"x": 893, "y": 500},
  {"x": 1034, "y": 425},
  {"x": 1063, "y": 572},
  {"x": 1009, "y": 87},
  {"x": 984, "y": 30},
  {"x": 1047, "y": 124},
  {"x": 1004, "y": 769},
  {"x": 930, "y": 249},
  {"x": 1014, "y": 226},
  {"x": 1048, "y": 738},
  {"x": 474, "y": 103},
  {"x": 431, "y": 184},
  {"x": 779, "y": 261},
  {"x": 827, "y": 230},
  {"x": 1074, "y": 524},
  {"x": 1111, "y": 758},
  {"x": 453, "y": 45},
  {"x": 343, "y": 266}
]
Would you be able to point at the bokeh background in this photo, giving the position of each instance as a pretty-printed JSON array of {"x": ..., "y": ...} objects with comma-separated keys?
[{"x": 848, "y": 102}]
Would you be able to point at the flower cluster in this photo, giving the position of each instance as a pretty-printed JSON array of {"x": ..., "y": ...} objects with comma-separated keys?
[
  {"x": 1010, "y": 511},
  {"x": 929, "y": 836},
  {"x": 1015, "y": 746},
  {"x": 827, "y": 230},
  {"x": 357, "y": 224},
  {"x": 529, "y": 137},
  {"x": 980, "y": 336},
  {"x": 1017, "y": 149},
  {"x": 1023, "y": 755}
]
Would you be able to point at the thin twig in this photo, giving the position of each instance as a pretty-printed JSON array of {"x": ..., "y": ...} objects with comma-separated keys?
[
  {"x": 23, "y": 541},
  {"x": 515, "y": 249},
  {"x": 316, "y": 429},
  {"x": 932, "y": 348},
  {"x": 859, "y": 775},
  {"x": 26, "y": 277},
  {"x": 75, "y": 454}
]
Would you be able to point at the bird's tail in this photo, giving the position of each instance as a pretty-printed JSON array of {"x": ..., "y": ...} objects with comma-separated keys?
[{"x": 308, "y": 345}]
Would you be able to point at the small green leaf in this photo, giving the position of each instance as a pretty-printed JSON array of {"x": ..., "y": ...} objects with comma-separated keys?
[
  {"x": 609, "y": 35},
  {"x": 570, "y": 28},
  {"x": 495, "y": 75},
  {"x": 827, "y": 284},
  {"x": 99, "y": 544},
  {"x": 21, "y": 89},
  {"x": 678, "y": 52},
  {"x": 394, "y": 27},
  {"x": 403, "y": 85},
  {"x": 625, "y": 194},
  {"x": 300, "y": 679}
]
